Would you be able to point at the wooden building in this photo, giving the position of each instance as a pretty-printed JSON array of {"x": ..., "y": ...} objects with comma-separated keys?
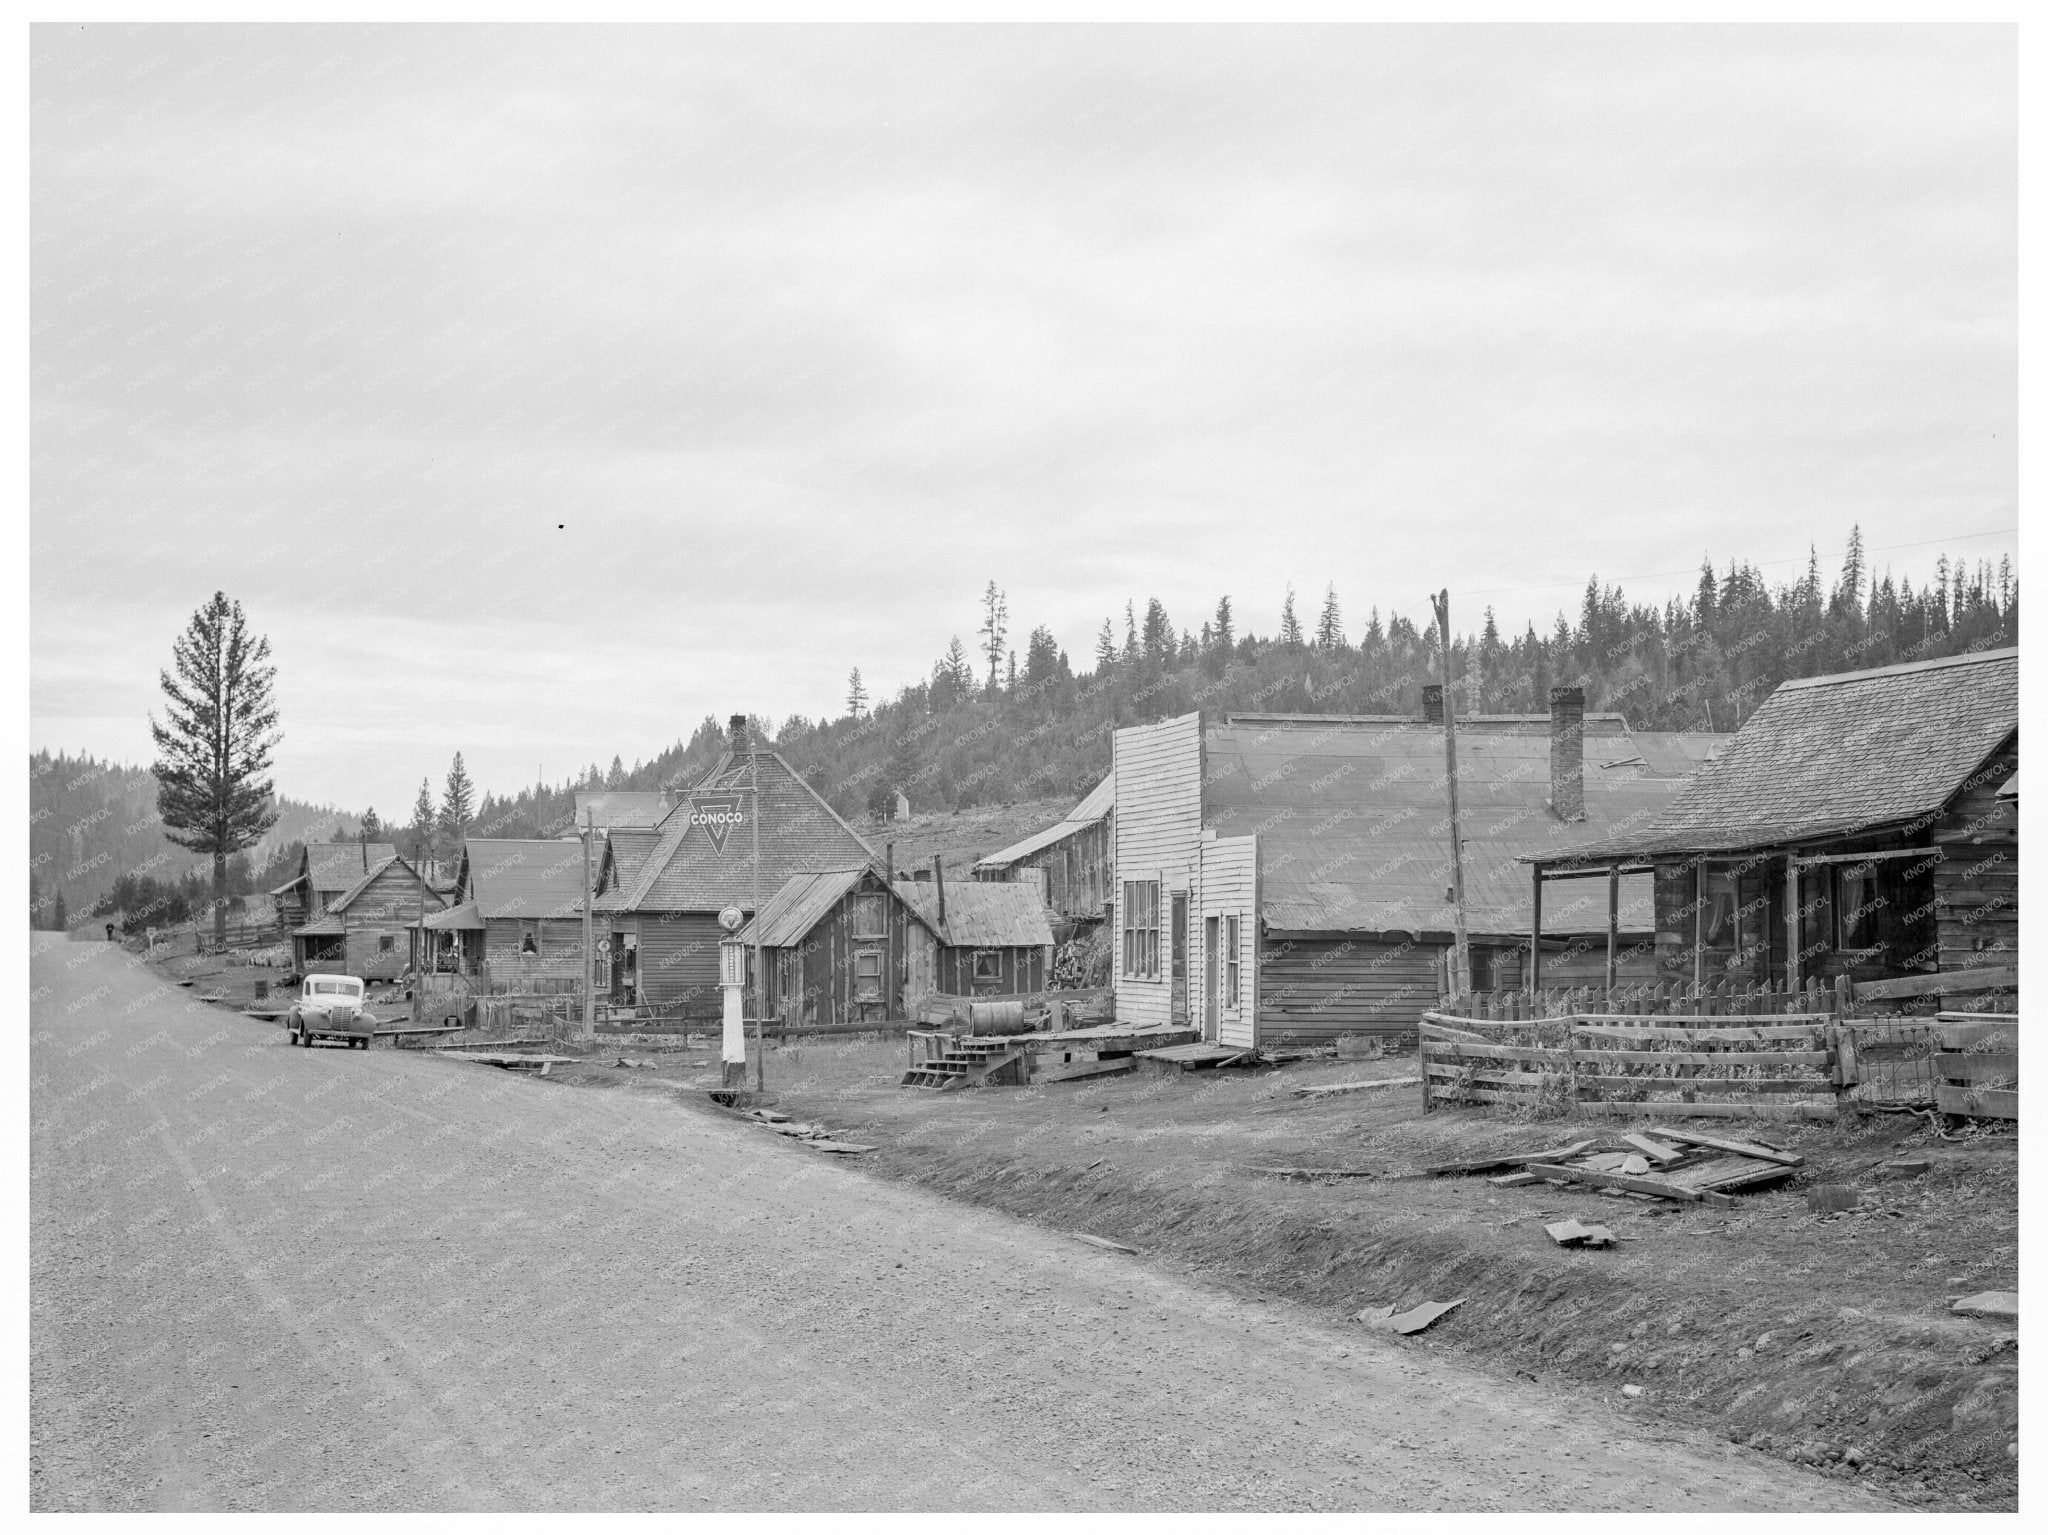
[
  {"x": 517, "y": 910},
  {"x": 1072, "y": 863},
  {"x": 839, "y": 946},
  {"x": 365, "y": 929},
  {"x": 659, "y": 901},
  {"x": 326, "y": 869},
  {"x": 1287, "y": 877},
  {"x": 1863, "y": 825},
  {"x": 992, "y": 939}
]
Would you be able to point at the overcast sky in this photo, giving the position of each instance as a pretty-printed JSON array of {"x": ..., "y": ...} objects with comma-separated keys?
[{"x": 541, "y": 392}]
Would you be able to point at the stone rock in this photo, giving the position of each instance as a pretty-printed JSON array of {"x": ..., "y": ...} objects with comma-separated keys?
[
  {"x": 2004, "y": 1304},
  {"x": 1905, "y": 1167},
  {"x": 1832, "y": 1198},
  {"x": 1631, "y": 1390}
]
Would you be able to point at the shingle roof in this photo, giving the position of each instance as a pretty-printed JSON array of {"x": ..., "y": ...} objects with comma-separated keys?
[
  {"x": 1098, "y": 803},
  {"x": 687, "y": 871},
  {"x": 322, "y": 927},
  {"x": 1831, "y": 756},
  {"x": 521, "y": 877},
  {"x": 341, "y": 902},
  {"x": 626, "y": 853},
  {"x": 980, "y": 914},
  {"x": 456, "y": 919},
  {"x": 1352, "y": 817},
  {"x": 338, "y": 865},
  {"x": 610, "y": 808}
]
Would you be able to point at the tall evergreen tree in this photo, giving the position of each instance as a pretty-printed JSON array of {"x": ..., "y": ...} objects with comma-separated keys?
[
  {"x": 994, "y": 630},
  {"x": 423, "y": 822},
  {"x": 1105, "y": 649},
  {"x": 213, "y": 748},
  {"x": 1290, "y": 626},
  {"x": 1330, "y": 623},
  {"x": 458, "y": 800},
  {"x": 856, "y": 695},
  {"x": 1225, "y": 633}
]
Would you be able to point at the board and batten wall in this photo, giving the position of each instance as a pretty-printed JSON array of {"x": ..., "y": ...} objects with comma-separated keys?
[
  {"x": 1158, "y": 835},
  {"x": 1229, "y": 888}
]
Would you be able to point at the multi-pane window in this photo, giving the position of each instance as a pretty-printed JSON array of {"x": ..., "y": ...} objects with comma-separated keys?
[
  {"x": 988, "y": 966},
  {"x": 1230, "y": 961},
  {"x": 1138, "y": 916}
]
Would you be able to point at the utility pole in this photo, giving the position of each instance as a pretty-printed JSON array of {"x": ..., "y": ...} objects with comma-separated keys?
[
  {"x": 589, "y": 994},
  {"x": 419, "y": 962},
  {"x": 1461, "y": 952},
  {"x": 754, "y": 822}
]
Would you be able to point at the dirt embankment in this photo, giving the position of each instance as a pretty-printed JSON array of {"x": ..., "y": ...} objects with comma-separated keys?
[{"x": 1824, "y": 1340}]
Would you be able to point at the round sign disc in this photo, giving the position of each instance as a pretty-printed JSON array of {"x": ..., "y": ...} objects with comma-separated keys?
[{"x": 732, "y": 919}]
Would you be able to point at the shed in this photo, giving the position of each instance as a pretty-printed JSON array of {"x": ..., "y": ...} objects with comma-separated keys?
[
  {"x": 839, "y": 947},
  {"x": 1072, "y": 862},
  {"x": 992, "y": 939},
  {"x": 1857, "y": 826}
]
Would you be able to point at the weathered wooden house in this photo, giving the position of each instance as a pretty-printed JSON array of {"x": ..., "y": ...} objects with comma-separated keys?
[
  {"x": 838, "y": 946},
  {"x": 990, "y": 939},
  {"x": 1072, "y": 862},
  {"x": 1863, "y": 825},
  {"x": 365, "y": 930},
  {"x": 517, "y": 910},
  {"x": 1288, "y": 877},
  {"x": 658, "y": 905},
  {"x": 325, "y": 870}
]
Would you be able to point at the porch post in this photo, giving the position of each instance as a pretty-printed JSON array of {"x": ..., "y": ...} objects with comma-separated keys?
[
  {"x": 1535, "y": 929},
  {"x": 1791, "y": 921},
  {"x": 1613, "y": 925},
  {"x": 1699, "y": 925}
]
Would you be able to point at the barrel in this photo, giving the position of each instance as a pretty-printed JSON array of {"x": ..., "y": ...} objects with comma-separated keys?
[{"x": 1003, "y": 1015}]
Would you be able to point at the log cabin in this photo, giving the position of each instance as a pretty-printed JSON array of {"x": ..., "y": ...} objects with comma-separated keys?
[
  {"x": 1071, "y": 862},
  {"x": 326, "y": 869},
  {"x": 1287, "y": 878},
  {"x": 1862, "y": 826}
]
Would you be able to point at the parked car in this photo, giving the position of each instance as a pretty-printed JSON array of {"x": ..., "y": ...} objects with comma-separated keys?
[{"x": 330, "y": 1007}]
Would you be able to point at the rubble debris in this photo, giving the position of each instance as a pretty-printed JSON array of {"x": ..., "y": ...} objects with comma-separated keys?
[
  {"x": 1104, "y": 1242},
  {"x": 838, "y": 1148},
  {"x": 1330, "y": 1090},
  {"x": 1905, "y": 1167},
  {"x": 1383, "y": 1319},
  {"x": 1749, "y": 1148},
  {"x": 1663, "y": 1188},
  {"x": 1372, "y": 1315},
  {"x": 1308, "y": 1173},
  {"x": 1655, "y": 1150},
  {"x": 2003, "y": 1304},
  {"x": 1514, "y": 1180},
  {"x": 1512, "y": 1159}
]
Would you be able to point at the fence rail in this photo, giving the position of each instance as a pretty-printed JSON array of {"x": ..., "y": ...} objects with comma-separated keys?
[
  {"x": 1991, "y": 989},
  {"x": 1803, "y": 1063}
]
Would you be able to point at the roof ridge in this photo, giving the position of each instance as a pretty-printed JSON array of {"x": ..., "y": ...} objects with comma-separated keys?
[{"x": 1904, "y": 668}]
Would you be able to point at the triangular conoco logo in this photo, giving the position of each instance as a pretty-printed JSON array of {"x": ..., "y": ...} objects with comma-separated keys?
[{"x": 718, "y": 815}]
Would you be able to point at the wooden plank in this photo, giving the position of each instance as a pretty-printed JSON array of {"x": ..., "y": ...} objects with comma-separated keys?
[
  {"x": 1953, "y": 983},
  {"x": 1977, "y": 1103},
  {"x": 1510, "y": 1159},
  {"x": 1630, "y": 1031},
  {"x": 1441, "y": 1031},
  {"x": 1335, "y": 1088},
  {"x": 1734, "y": 1148},
  {"x": 1102, "y": 1242},
  {"x": 1960, "y": 1036},
  {"x": 1710, "y": 1110},
  {"x": 1079, "y": 1069},
  {"x": 1558, "y": 1058},
  {"x": 1659, "y": 1019},
  {"x": 1758, "y": 1085},
  {"x": 2001, "y": 1067},
  {"x": 1656, "y": 1151},
  {"x": 1702, "y": 1057},
  {"x": 1552, "y": 1173}
]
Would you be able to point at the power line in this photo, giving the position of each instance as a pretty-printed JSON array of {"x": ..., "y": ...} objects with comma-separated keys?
[{"x": 1656, "y": 575}]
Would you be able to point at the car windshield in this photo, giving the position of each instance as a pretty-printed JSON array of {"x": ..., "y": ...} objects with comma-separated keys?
[{"x": 336, "y": 989}]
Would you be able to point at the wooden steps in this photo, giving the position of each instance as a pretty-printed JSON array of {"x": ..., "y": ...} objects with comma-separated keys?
[{"x": 967, "y": 1063}]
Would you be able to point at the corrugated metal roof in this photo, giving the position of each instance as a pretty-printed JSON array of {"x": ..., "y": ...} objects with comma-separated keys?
[
  {"x": 613, "y": 808},
  {"x": 687, "y": 871},
  {"x": 521, "y": 877},
  {"x": 338, "y": 865},
  {"x": 1098, "y": 803},
  {"x": 980, "y": 914},
  {"x": 798, "y": 906},
  {"x": 1831, "y": 756},
  {"x": 1352, "y": 818}
]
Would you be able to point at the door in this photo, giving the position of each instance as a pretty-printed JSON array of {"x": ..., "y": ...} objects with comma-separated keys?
[
  {"x": 1212, "y": 1018},
  {"x": 1179, "y": 942}
]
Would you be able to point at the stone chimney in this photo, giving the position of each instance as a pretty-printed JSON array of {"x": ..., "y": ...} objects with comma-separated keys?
[
  {"x": 1568, "y": 753},
  {"x": 736, "y": 729},
  {"x": 1432, "y": 703}
]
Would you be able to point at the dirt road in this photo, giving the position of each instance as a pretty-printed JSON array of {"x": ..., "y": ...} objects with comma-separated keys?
[{"x": 267, "y": 1278}]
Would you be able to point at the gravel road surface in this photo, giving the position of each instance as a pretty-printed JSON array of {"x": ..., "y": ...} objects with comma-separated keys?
[{"x": 267, "y": 1278}]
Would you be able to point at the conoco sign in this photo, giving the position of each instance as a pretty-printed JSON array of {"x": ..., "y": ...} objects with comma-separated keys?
[{"x": 719, "y": 815}]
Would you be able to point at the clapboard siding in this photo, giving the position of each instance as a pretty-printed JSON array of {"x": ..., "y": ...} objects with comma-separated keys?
[
  {"x": 379, "y": 919},
  {"x": 1077, "y": 869},
  {"x": 679, "y": 961},
  {"x": 1157, "y": 835},
  {"x": 1977, "y": 882},
  {"x": 1318, "y": 989},
  {"x": 1229, "y": 881}
]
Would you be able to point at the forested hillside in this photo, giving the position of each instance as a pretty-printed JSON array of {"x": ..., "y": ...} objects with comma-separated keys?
[
  {"x": 1005, "y": 727},
  {"x": 91, "y": 822}
]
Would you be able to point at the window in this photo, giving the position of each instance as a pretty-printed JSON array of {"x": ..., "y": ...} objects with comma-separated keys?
[
  {"x": 1230, "y": 963},
  {"x": 1139, "y": 919},
  {"x": 1856, "y": 906},
  {"x": 870, "y": 917},
  {"x": 386, "y": 942},
  {"x": 867, "y": 965},
  {"x": 988, "y": 967}
]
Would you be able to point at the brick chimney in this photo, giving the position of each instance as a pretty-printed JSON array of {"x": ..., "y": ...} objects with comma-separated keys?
[
  {"x": 736, "y": 729},
  {"x": 1432, "y": 703},
  {"x": 1568, "y": 753}
]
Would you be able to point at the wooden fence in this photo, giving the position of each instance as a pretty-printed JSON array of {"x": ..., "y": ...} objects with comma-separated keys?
[
  {"x": 1993, "y": 989},
  {"x": 1807, "y": 1064}
]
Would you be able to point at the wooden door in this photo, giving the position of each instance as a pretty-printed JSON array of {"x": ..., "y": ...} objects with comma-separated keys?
[
  {"x": 1179, "y": 943},
  {"x": 1212, "y": 1017}
]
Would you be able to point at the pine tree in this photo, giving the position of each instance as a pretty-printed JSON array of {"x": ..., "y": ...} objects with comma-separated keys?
[
  {"x": 1290, "y": 626},
  {"x": 1330, "y": 623},
  {"x": 458, "y": 801},
  {"x": 995, "y": 628},
  {"x": 373, "y": 829},
  {"x": 1105, "y": 649},
  {"x": 423, "y": 822},
  {"x": 1157, "y": 638},
  {"x": 856, "y": 695},
  {"x": 213, "y": 752},
  {"x": 1130, "y": 632},
  {"x": 1226, "y": 635},
  {"x": 616, "y": 778}
]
